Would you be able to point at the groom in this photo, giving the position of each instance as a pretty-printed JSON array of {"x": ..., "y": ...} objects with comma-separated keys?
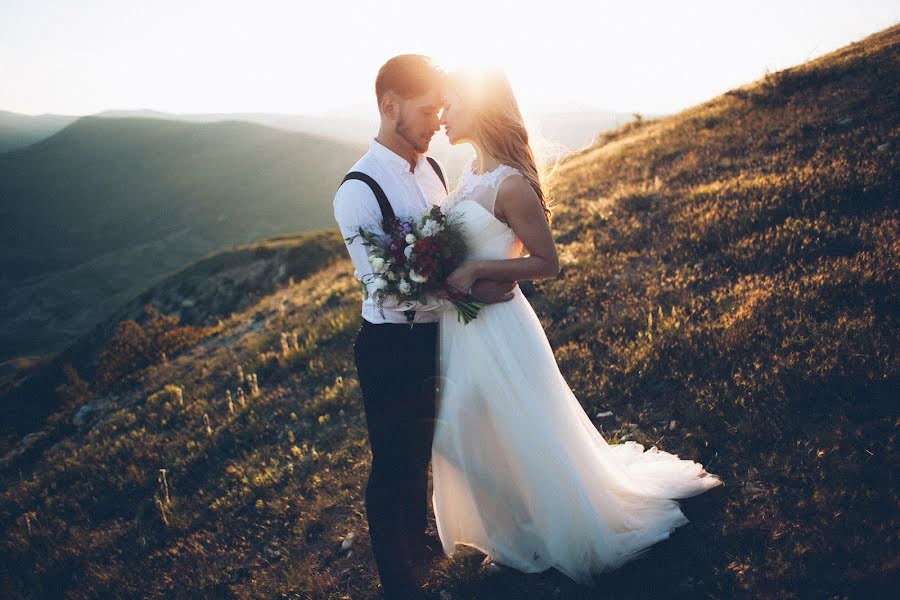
[{"x": 396, "y": 364}]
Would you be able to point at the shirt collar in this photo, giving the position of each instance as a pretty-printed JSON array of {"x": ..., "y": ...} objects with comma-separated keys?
[{"x": 391, "y": 158}]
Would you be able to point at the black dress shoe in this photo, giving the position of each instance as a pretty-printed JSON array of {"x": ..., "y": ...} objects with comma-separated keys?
[{"x": 402, "y": 590}]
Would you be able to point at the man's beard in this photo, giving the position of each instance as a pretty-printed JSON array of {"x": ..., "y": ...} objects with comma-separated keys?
[{"x": 404, "y": 132}]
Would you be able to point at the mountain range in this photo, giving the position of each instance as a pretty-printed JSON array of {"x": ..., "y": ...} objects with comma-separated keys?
[
  {"x": 105, "y": 207},
  {"x": 94, "y": 209}
]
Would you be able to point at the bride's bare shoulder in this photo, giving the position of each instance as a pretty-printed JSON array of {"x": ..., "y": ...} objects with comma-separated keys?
[{"x": 515, "y": 194}]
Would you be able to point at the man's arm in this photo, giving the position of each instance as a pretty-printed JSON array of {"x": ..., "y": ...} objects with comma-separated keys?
[
  {"x": 491, "y": 292},
  {"x": 355, "y": 206}
]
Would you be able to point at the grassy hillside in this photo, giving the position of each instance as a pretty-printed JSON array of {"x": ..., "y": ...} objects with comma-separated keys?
[
  {"x": 199, "y": 295},
  {"x": 729, "y": 292},
  {"x": 106, "y": 207}
]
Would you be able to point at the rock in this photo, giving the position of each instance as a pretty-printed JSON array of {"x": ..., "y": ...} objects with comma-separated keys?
[
  {"x": 24, "y": 445},
  {"x": 844, "y": 121},
  {"x": 884, "y": 147},
  {"x": 601, "y": 415},
  {"x": 672, "y": 424},
  {"x": 83, "y": 414},
  {"x": 348, "y": 541},
  {"x": 749, "y": 488}
]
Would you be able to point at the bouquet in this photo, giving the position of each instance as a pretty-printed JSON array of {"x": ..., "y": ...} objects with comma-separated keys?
[{"x": 414, "y": 258}]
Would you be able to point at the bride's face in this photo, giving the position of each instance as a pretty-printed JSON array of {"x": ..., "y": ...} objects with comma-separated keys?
[{"x": 456, "y": 118}]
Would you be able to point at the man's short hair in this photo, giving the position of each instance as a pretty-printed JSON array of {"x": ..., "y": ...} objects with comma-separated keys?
[{"x": 408, "y": 75}]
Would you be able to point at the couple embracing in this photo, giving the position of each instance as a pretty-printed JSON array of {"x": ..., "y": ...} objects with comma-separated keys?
[{"x": 519, "y": 470}]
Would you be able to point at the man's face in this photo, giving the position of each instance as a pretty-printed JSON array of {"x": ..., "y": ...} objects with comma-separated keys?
[{"x": 419, "y": 118}]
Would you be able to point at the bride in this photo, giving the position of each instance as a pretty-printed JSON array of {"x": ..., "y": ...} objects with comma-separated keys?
[{"x": 520, "y": 472}]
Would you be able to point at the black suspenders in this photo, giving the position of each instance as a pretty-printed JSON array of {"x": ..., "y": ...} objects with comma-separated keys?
[
  {"x": 437, "y": 169},
  {"x": 387, "y": 212}
]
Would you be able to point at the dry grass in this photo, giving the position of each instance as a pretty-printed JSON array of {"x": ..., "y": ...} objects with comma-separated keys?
[{"x": 732, "y": 268}]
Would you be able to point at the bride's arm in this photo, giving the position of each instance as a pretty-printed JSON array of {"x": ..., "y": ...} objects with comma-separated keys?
[{"x": 520, "y": 207}]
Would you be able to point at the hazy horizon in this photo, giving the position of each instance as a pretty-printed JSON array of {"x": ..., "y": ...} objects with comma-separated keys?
[
  {"x": 80, "y": 58},
  {"x": 354, "y": 110}
]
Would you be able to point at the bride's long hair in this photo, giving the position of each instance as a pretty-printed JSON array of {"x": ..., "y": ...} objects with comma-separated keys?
[{"x": 498, "y": 124}]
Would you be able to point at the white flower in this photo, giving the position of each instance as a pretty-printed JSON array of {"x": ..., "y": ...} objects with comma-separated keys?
[
  {"x": 416, "y": 277},
  {"x": 405, "y": 287},
  {"x": 408, "y": 250},
  {"x": 431, "y": 228},
  {"x": 378, "y": 264},
  {"x": 410, "y": 238},
  {"x": 380, "y": 283},
  {"x": 391, "y": 275}
]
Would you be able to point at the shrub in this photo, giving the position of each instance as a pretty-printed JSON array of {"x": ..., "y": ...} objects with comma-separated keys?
[{"x": 134, "y": 347}]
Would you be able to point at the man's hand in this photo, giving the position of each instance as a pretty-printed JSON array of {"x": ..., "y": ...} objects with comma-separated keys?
[{"x": 492, "y": 292}]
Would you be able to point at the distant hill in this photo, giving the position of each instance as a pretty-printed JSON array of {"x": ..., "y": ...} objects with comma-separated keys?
[
  {"x": 729, "y": 292},
  {"x": 97, "y": 212},
  {"x": 556, "y": 130},
  {"x": 355, "y": 129},
  {"x": 18, "y": 130},
  {"x": 572, "y": 127}
]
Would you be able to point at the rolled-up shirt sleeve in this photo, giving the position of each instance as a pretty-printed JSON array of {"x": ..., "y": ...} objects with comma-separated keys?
[{"x": 355, "y": 206}]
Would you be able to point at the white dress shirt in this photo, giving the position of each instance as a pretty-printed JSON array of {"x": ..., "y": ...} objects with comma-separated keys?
[{"x": 411, "y": 195}]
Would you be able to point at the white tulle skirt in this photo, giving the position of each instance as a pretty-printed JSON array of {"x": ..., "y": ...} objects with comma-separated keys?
[{"x": 522, "y": 474}]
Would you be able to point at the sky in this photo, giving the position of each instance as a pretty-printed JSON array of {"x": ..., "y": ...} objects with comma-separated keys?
[{"x": 81, "y": 57}]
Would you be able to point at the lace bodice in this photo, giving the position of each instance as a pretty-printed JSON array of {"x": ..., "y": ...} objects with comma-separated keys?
[
  {"x": 479, "y": 187},
  {"x": 472, "y": 202}
]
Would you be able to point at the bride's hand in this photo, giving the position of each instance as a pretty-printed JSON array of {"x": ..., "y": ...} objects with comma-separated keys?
[{"x": 463, "y": 277}]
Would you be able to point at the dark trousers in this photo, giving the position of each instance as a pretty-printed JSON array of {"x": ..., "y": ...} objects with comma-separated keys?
[{"x": 397, "y": 368}]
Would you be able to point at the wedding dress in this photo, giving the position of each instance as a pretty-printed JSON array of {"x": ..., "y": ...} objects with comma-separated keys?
[{"x": 519, "y": 470}]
